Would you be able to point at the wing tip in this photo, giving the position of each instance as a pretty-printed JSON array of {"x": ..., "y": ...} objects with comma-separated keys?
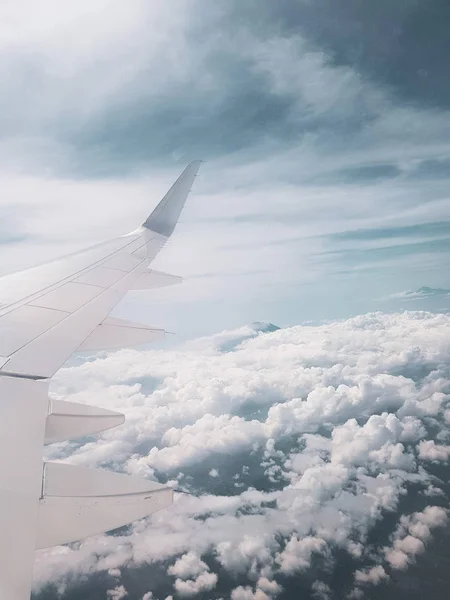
[
  {"x": 196, "y": 162},
  {"x": 165, "y": 216}
]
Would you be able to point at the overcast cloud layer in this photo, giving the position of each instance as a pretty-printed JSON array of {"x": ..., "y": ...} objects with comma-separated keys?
[
  {"x": 324, "y": 125},
  {"x": 316, "y": 458}
]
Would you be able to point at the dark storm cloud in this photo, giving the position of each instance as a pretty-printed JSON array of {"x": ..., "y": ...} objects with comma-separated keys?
[
  {"x": 190, "y": 124},
  {"x": 220, "y": 95},
  {"x": 400, "y": 43},
  {"x": 300, "y": 132},
  {"x": 236, "y": 110},
  {"x": 241, "y": 111},
  {"x": 226, "y": 102}
]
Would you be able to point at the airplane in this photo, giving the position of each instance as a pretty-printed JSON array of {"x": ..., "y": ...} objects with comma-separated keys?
[{"x": 47, "y": 313}]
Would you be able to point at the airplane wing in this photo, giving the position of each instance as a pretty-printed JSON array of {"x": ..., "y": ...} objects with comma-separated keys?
[{"x": 46, "y": 314}]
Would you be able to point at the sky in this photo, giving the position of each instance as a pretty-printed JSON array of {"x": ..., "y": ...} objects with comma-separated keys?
[
  {"x": 323, "y": 126},
  {"x": 322, "y": 209}
]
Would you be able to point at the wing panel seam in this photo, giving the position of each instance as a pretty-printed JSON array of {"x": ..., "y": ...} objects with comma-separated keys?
[
  {"x": 70, "y": 315},
  {"x": 49, "y": 288}
]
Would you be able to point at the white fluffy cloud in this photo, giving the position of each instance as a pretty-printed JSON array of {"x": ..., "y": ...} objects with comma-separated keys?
[
  {"x": 331, "y": 419},
  {"x": 192, "y": 574},
  {"x": 187, "y": 566},
  {"x": 429, "y": 450},
  {"x": 412, "y": 534},
  {"x": 373, "y": 576},
  {"x": 321, "y": 590},
  {"x": 298, "y": 552},
  {"x": 118, "y": 593},
  {"x": 247, "y": 593},
  {"x": 247, "y": 554},
  {"x": 204, "y": 582},
  {"x": 268, "y": 586}
]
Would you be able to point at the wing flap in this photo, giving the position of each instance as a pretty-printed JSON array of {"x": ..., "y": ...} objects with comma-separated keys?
[
  {"x": 119, "y": 333},
  {"x": 69, "y": 420},
  {"x": 78, "y": 502}
]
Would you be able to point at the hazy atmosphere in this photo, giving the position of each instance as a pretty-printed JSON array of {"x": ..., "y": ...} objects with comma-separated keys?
[{"x": 303, "y": 401}]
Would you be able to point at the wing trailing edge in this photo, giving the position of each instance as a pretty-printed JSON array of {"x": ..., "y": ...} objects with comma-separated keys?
[
  {"x": 118, "y": 333},
  {"x": 70, "y": 420},
  {"x": 155, "y": 279},
  {"x": 78, "y": 502}
]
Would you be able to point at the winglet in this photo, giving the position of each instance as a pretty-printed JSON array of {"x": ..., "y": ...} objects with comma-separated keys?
[{"x": 165, "y": 216}]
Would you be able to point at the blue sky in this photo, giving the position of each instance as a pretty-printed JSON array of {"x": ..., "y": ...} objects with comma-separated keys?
[{"x": 325, "y": 134}]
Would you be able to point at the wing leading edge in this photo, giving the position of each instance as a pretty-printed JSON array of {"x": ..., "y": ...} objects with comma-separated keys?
[{"x": 46, "y": 314}]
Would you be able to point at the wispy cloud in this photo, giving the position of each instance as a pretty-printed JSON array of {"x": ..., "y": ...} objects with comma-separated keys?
[{"x": 420, "y": 294}]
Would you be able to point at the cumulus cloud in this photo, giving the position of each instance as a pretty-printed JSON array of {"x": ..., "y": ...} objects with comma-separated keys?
[
  {"x": 374, "y": 576},
  {"x": 298, "y": 553},
  {"x": 412, "y": 534},
  {"x": 429, "y": 450},
  {"x": 187, "y": 566},
  {"x": 247, "y": 593},
  {"x": 325, "y": 426},
  {"x": 321, "y": 590},
  {"x": 270, "y": 587},
  {"x": 210, "y": 434},
  {"x": 117, "y": 593},
  {"x": 245, "y": 555},
  {"x": 114, "y": 572},
  {"x": 204, "y": 582},
  {"x": 375, "y": 441}
]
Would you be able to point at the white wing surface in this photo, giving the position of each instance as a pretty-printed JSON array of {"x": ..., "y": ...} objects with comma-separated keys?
[{"x": 46, "y": 314}]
